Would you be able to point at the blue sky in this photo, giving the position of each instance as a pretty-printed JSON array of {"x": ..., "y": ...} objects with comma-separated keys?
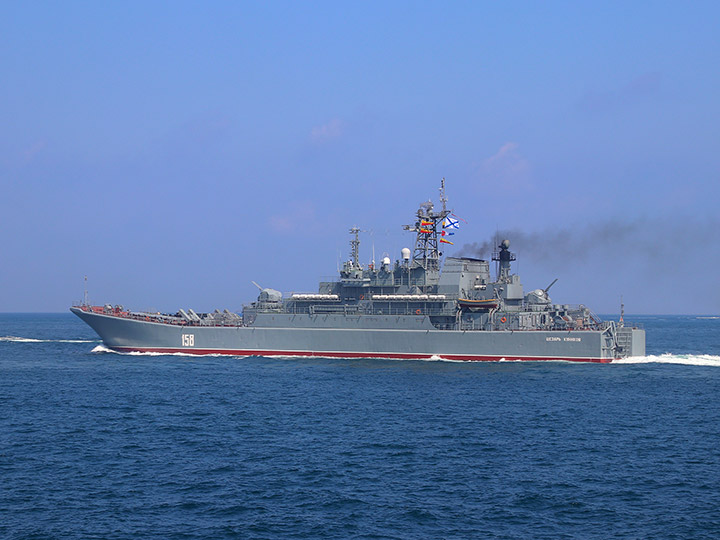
[{"x": 173, "y": 152}]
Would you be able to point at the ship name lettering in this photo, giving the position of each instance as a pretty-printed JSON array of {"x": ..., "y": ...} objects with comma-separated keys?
[
  {"x": 572, "y": 339},
  {"x": 552, "y": 339},
  {"x": 188, "y": 340}
]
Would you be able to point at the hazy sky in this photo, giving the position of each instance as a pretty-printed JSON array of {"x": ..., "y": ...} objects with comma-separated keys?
[{"x": 173, "y": 152}]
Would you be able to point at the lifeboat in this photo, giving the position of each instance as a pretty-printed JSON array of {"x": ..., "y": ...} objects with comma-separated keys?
[{"x": 473, "y": 305}]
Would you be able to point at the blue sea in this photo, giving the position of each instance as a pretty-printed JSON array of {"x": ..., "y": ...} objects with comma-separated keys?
[{"x": 95, "y": 444}]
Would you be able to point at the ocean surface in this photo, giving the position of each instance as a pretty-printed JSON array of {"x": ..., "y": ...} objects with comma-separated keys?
[{"x": 95, "y": 444}]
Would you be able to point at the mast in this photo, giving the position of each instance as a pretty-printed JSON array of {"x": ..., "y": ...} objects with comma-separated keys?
[
  {"x": 426, "y": 253},
  {"x": 443, "y": 198},
  {"x": 355, "y": 247},
  {"x": 504, "y": 257}
]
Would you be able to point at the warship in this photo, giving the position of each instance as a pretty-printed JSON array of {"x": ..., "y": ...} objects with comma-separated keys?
[{"x": 421, "y": 306}]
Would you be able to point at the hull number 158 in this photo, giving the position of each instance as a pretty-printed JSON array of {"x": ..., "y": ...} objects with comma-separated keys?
[{"x": 188, "y": 340}]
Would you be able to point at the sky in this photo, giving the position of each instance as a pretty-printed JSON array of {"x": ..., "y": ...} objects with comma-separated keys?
[{"x": 174, "y": 152}]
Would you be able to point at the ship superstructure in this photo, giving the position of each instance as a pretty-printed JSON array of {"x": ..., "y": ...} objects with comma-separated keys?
[{"x": 408, "y": 308}]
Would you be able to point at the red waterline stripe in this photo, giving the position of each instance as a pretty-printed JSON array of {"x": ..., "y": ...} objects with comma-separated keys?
[{"x": 393, "y": 356}]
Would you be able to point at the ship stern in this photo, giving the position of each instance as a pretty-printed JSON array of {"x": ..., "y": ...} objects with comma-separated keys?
[{"x": 630, "y": 342}]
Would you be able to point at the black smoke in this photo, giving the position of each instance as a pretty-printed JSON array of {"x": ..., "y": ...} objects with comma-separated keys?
[{"x": 651, "y": 239}]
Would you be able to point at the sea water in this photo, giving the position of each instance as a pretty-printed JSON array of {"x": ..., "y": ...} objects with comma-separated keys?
[{"x": 95, "y": 444}]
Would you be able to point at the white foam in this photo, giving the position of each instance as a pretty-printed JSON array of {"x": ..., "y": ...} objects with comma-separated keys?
[
  {"x": 16, "y": 339},
  {"x": 667, "y": 358},
  {"x": 685, "y": 359},
  {"x": 102, "y": 349},
  {"x": 438, "y": 358}
]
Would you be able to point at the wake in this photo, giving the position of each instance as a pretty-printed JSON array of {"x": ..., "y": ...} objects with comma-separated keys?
[
  {"x": 668, "y": 358},
  {"x": 16, "y": 339},
  {"x": 102, "y": 349}
]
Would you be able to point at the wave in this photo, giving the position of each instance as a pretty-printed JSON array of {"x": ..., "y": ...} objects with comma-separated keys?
[
  {"x": 684, "y": 359},
  {"x": 102, "y": 349},
  {"x": 668, "y": 358},
  {"x": 16, "y": 339}
]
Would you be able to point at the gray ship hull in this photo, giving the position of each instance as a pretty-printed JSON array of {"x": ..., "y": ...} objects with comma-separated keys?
[{"x": 307, "y": 338}]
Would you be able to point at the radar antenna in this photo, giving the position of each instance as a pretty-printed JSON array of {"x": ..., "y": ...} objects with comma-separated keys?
[
  {"x": 355, "y": 246},
  {"x": 443, "y": 198},
  {"x": 504, "y": 257}
]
